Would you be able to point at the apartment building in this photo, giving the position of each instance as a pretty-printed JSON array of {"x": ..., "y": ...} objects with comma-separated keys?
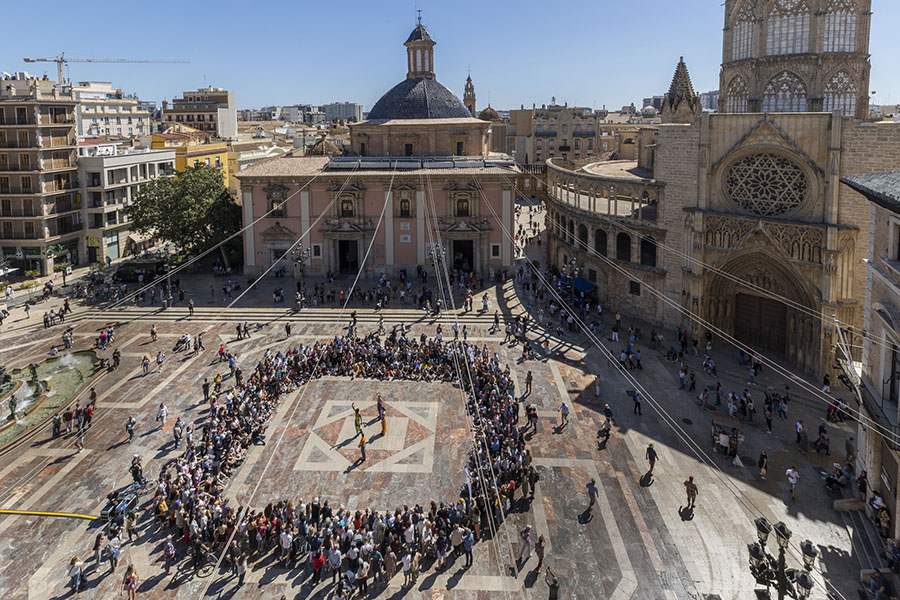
[
  {"x": 348, "y": 111},
  {"x": 193, "y": 148},
  {"x": 105, "y": 110},
  {"x": 111, "y": 175},
  {"x": 574, "y": 133},
  {"x": 40, "y": 207},
  {"x": 209, "y": 109}
]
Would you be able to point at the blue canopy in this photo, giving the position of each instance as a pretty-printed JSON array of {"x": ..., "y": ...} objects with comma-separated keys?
[{"x": 579, "y": 284}]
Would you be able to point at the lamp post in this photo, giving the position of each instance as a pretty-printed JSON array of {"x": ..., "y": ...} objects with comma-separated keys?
[
  {"x": 300, "y": 256},
  {"x": 771, "y": 571},
  {"x": 168, "y": 276}
]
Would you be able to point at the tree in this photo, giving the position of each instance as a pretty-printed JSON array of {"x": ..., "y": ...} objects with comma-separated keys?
[
  {"x": 192, "y": 211},
  {"x": 31, "y": 282},
  {"x": 61, "y": 268}
]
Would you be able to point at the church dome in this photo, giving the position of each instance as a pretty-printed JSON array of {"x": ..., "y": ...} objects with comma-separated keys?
[
  {"x": 489, "y": 114},
  {"x": 418, "y": 98},
  {"x": 324, "y": 148},
  {"x": 648, "y": 111}
]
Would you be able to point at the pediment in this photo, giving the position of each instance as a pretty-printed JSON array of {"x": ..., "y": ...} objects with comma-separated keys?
[
  {"x": 767, "y": 134},
  {"x": 462, "y": 187},
  {"x": 278, "y": 232}
]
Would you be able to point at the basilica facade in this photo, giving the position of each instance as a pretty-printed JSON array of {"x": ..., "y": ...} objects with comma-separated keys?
[
  {"x": 418, "y": 172},
  {"x": 736, "y": 220}
]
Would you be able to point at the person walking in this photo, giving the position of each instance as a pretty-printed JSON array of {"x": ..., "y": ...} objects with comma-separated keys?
[
  {"x": 539, "y": 548},
  {"x": 525, "y": 548},
  {"x": 191, "y": 307},
  {"x": 529, "y": 378},
  {"x": 691, "y": 490},
  {"x": 145, "y": 364},
  {"x": 113, "y": 548},
  {"x": 161, "y": 413},
  {"x": 76, "y": 574},
  {"x": 592, "y": 494},
  {"x": 651, "y": 458},
  {"x": 793, "y": 479},
  {"x": 763, "y": 464},
  {"x": 169, "y": 554},
  {"x": 564, "y": 414},
  {"x": 159, "y": 361},
  {"x": 357, "y": 420},
  {"x": 362, "y": 448},
  {"x": 637, "y": 403},
  {"x": 130, "y": 582},
  {"x": 130, "y": 422}
]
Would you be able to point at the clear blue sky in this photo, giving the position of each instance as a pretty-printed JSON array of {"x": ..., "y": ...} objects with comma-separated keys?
[{"x": 584, "y": 52}]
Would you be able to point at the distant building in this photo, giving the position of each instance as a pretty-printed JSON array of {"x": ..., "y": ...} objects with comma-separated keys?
[
  {"x": 105, "y": 110},
  {"x": 111, "y": 175},
  {"x": 208, "y": 109},
  {"x": 655, "y": 102},
  {"x": 193, "y": 148},
  {"x": 348, "y": 111},
  {"x": 710, "y": 100}
]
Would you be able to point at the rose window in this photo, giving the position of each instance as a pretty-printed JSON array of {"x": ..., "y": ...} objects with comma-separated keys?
[{"x": 766, "y": 184}]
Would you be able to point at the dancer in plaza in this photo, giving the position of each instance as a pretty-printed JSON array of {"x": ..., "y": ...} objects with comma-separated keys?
[
  {"x": 130, "y": 582},
  {"x": 357, "y": 420}
]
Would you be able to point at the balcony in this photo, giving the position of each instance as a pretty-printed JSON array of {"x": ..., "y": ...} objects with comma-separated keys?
[
  {"x": 29, "y": 144},
  {"x": 18, "y": 235},
  {"x": 17, "y": 190},
  {"x": 14, "y": 213},
  {"x": 52, "y": 187},
  {"x": 565, "y": 148},
  {"x": 64, "y": 119},
  {"x": 544, "y": 134},
  {"x": 13, "y": 122},
  {"x": 589, "y": 133},
  {"x": 57, "y": 142}
]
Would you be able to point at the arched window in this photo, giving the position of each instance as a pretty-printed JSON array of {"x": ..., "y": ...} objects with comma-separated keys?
[
  {"x": 787, "y": 31},
  {"x": 840, "y": 26},
  {"x": 462, "y": 207},
  {"x": 582, "y": 238},
  {"x": 742, "y": 42},
  {"x": 840, "y": 94},
  {"x": 623, "y": 247},
  {"x": 347, "y": 207},
  {"x": 648, "y": 252},
  {"x": 404, "y": 207},
  {"x": 784, "y": 93},
  {"x": 600, "y": 242},
  {"x": 736, "y": 96}
]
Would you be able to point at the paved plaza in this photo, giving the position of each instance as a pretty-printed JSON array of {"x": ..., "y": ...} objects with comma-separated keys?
[{"x": 639, "y": 541}]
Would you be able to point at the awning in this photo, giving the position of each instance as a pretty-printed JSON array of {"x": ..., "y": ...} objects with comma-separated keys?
[
  {"x": 579, "y": 284},
  {"x": 137, "y": 238}
]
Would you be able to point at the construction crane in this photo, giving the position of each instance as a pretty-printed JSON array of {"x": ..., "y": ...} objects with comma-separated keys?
[{"x": 62, "y": 60}]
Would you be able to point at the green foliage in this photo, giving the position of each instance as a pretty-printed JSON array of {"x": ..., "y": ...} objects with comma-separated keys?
[
  {"x": 96, "y": 268},
  {"x": 32, "y": 274},
  {"x": 193, "y": 211},
  {"x": 61, "y": 267}
]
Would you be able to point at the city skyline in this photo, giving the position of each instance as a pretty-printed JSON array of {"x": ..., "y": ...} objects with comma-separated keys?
[{"x": 523, "y": 56}]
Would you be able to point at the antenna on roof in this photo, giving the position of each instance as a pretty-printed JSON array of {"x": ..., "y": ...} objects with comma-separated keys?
[{"x": 419, "y": 18}]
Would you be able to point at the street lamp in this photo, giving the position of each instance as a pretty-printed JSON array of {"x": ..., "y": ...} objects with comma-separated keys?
[
  {"x": 300, "y": 256},
  {"x": 771, "y": 571},
  {"x": 168, "y": 276}
]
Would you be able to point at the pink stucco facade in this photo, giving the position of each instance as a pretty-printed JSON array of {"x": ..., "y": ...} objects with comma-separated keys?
[{"x": 382, "y": 222}]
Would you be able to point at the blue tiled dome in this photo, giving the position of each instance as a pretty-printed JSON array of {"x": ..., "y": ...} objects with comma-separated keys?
[{"x": 418, "y": 99}]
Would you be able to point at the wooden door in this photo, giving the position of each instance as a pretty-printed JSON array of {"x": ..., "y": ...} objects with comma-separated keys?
[{"x": 761, "y": 322}]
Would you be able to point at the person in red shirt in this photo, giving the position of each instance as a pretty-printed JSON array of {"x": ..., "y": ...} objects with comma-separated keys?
[{"x": 318, "y": 563}]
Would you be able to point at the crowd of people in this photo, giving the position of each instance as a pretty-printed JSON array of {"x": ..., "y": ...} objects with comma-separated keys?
[{"x": 357, "y": 547}]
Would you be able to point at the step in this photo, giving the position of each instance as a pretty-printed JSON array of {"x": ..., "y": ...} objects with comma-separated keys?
[
  {"x": 867, "y": 544},
  {"x": 849, "y": 504}
]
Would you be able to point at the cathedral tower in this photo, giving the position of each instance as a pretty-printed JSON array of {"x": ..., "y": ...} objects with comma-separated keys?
[
  {"x": 796, "y": 56},
  {"x": 469, "y": 95}
]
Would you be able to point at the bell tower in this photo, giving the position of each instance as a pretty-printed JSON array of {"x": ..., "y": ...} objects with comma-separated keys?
[
  {"x": 469, "y": 96},
  {"x": 419, "y": 52}
]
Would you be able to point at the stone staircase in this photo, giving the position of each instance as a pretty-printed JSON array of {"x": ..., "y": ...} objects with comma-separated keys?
[{"x": 868, "y": 545}]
